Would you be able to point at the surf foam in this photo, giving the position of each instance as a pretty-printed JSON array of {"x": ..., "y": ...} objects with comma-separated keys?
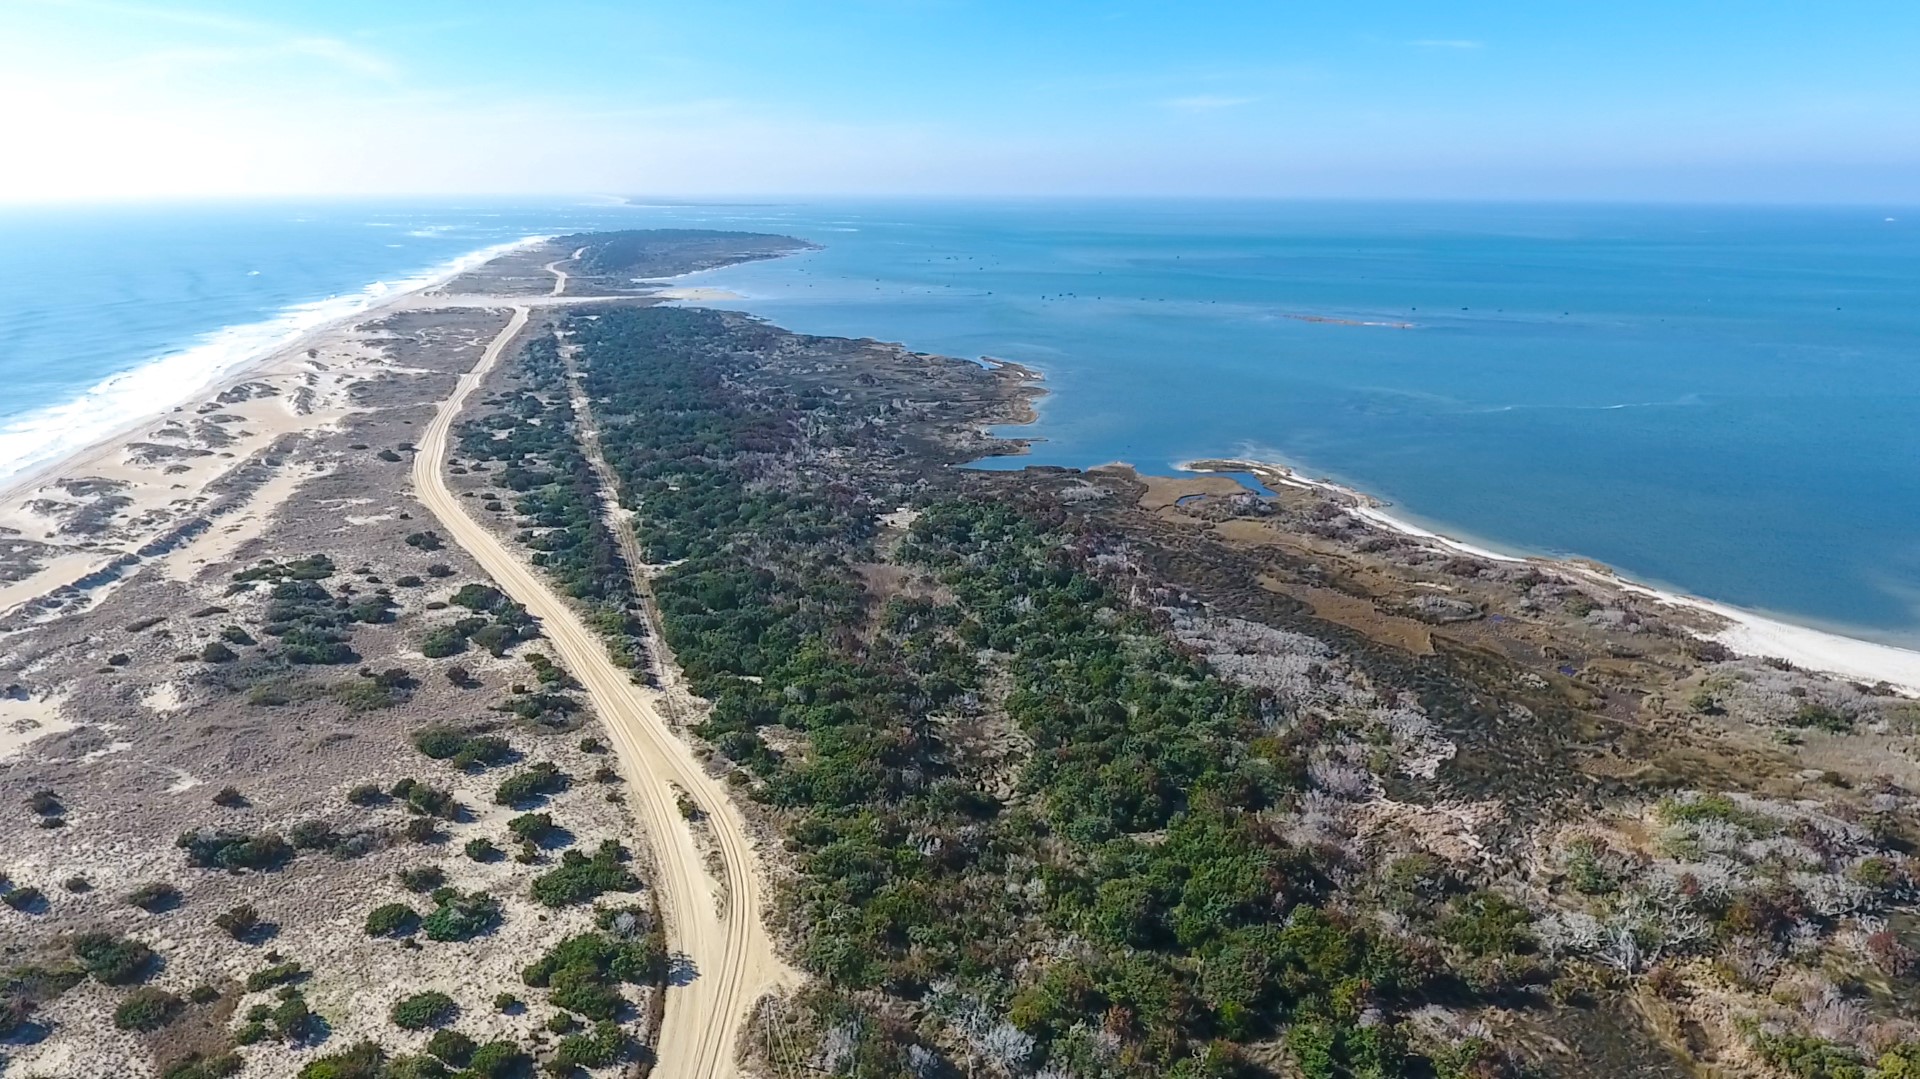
[{"x": 174, "y": 377}]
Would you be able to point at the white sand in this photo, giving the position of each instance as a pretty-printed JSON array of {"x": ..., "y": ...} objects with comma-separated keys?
[
  {"x": 1758, "y": 635},
  {"x": 1741, "y": 630},
  {"x": 22, "y": 722}
]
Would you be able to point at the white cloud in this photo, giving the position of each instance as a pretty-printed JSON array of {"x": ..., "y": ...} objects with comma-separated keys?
[
  {"x": 337, "y": 52},
  {"x": 218, "y": 39},
  {"x": 1207, "y": 102}
]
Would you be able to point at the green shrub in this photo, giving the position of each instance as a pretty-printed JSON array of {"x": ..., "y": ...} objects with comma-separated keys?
[
  {"x": 1900, "y": 1062},
  {"x": 113, "y": 960},
  {"x": 1586, "y": 868},
  {"x": 464, "y": 749},
  {"x": 1820, "y": 717},
  {"x": 278, "y": 974},
  {"x": 543, "y": 710},
  {"x": 360, "y": 695},
  {"x": 584, "y": 971},
  {"x": 1712, "y": 807},
  {"x": 422, "y": 1010},
  {"x": 532, "y": 827},
  {"x": 1487, "y": 924},
  {"x": 536, "y": 782},
  {"x": 438, "y": 741},
  {"x": 478, "y": 597},
  {"x": 316, "y": 567},
  {"x": 216, "y": 652},
  {"x": 547, "y": 672},
  {"x": 423, "y": 878},
  {"x": 291, "y": 1019},
  {"x": 452, "y": 1046},
  {"x": 482, "y": 850},
  {"x": 392, "y": 920},
  {"x": 362, "y": 1061},
  {"x": 441, "y": 642},
  {"x": 427, "y": 800},
  {"x": 367, "y": 794},
  {"x": 462, "y": 917},
  {"x": 146, "y": 1009},
  {"x": 498, "y": 1060},
  {"x": 210, "y": 848},
  {"x": 240, "y": 922},
  {"x": 313, "y": 835},
  {"x": 579, "y": 879},
  {"x": 1805, "y": 1057},
  {"x": 597, "y": 1048},
  {"x": 155, "y": 897},
  {"x": 24, "y": 989}
]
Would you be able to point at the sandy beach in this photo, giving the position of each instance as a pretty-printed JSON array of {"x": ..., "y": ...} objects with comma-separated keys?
[
  {"x": 1745, "y": 632},
  {"x": 191, "y": 482}
]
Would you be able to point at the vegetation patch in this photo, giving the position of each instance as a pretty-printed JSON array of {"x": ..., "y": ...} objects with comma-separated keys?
[
  {"x": 536, "y": 782},
  {"x": 147, "y": 1009},
  {"x": 392, "y": 920},
  {"x": 461, "y": 916},
  {"x": 579, "y": 879},
  {"x": 214, "y": 848},
  {"x": 584, "y": 972},
  {"x": 464, "y": 749},
  {"x": 422, "y": 1010},
  {"x": 113, "y": 960}
]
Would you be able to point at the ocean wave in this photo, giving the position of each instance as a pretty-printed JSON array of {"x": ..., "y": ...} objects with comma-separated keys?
[{"x": 174, "y": 377}]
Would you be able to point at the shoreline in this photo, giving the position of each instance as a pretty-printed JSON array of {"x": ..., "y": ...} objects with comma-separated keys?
[
  {"x": 1743, "y": 631},
  {"x": 37, "y": 473},
  {"x": 202, "y": 471}
]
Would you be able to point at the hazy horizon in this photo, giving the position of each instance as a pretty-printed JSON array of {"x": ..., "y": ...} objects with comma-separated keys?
[
  {"x": 954, "y": 99},
  {"x": 776, "y": 199}
]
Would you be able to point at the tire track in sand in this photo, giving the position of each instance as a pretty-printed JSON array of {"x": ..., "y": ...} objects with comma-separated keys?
[{"x": 729, "y": 952}]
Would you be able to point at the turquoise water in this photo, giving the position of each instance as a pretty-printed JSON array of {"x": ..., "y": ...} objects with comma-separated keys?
[{"x": 1720, "y": 400}]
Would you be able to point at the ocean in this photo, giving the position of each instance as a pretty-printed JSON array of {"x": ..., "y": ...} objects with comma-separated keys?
[{"x": 1717, "y": 400}]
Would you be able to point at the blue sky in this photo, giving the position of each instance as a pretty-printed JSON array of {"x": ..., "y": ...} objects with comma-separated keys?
[{"x": 1724, "y": 101}]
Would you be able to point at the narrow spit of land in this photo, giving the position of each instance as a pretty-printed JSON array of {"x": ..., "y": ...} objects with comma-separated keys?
[
  {"x": 137, "y": 650},
  {"x": 718, "y": 928},
  {"x": 1075, "y": 773}
]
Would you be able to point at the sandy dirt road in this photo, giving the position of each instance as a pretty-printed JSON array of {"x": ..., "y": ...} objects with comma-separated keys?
[
  {"x": 560, "y": 275},
  {"x": 717, "y": 926}
]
